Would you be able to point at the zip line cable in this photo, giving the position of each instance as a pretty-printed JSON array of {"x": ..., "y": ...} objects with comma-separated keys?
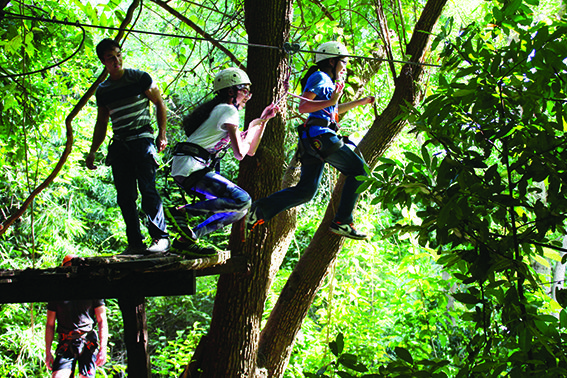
[
  {"x": 287, "y": 48},
  {"x": 51, "y": 66}
]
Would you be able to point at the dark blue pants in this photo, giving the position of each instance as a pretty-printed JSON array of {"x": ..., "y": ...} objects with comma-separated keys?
[
  {"x": 345, "y": 160},
  {"x": 134, "y": 167},
  {"x": 224, "y": 203}
]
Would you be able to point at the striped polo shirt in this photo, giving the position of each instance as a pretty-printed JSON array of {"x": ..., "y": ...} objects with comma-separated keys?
[{"x": 127, "y": 103}]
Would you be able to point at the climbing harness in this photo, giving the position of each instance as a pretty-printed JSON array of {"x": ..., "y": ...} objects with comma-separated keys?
[
  {"x": 210, "y": 161},
  {"x": 322, "y": 145},
  {"x": 73, "y": 344}
]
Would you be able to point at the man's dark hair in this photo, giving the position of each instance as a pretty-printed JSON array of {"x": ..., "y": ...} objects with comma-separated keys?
[{"x": 105, "y": 45}]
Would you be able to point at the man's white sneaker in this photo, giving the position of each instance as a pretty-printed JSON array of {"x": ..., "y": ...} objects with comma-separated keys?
[{"x": 159, "y": 246}]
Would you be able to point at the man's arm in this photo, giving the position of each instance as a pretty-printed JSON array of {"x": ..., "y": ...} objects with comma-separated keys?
[
  {"x": 154, "y": 95},
  {"x": 99, "y": 134},
  {"x": 100, "y": 313},
  {"x": 49, "y": 333}
]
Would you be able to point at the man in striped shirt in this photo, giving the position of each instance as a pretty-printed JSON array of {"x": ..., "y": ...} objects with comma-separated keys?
[{"x": 124, "y": 98}]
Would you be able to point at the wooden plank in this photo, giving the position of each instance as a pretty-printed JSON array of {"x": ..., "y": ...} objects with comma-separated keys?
[{"x": 113, "y": 277}]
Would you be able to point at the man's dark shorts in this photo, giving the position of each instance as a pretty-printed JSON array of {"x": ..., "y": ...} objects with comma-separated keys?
[{"x": 84, "y": 352}]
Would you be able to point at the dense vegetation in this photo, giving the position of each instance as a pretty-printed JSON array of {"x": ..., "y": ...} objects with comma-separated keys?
[{"x": 462, "y": 274}]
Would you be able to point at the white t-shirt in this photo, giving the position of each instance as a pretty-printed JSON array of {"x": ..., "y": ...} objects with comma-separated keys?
[{"x": 211, "y": 135}]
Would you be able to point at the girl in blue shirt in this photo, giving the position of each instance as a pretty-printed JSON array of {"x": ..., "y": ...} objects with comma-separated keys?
[{"x": 319, "y": 144}]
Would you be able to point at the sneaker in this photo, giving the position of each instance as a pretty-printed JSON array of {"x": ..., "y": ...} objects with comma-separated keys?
[
  {"x": 159, "y": 246},
  {"x": 346, "y": 230},
  {"x": 131, "y": 250},
  {"x": 192, "y": 249},
  {"x": 254, "y": 217},
  {"x": 179, "y": 220}
]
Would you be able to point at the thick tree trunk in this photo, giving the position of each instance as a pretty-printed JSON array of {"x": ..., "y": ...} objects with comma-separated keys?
[
  {"x": 230, "y": 348},
  {"x": 287, "y": 316}
]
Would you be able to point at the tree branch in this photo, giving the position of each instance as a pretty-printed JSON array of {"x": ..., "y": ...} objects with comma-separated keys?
[
  {"x": 199, "y": 31},
  {"x": 277, "y": 337}
]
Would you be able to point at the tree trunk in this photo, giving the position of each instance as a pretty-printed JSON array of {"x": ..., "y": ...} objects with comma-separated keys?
[
  {"x": 229, "y": 350},
  {"x": 287, "y": 316},
  {"x": 234, "y": 346},
  {"x": 136, "y": 336}
]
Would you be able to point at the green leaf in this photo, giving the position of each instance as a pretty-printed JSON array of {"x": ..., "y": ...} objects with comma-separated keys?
[
  {"x": 337, "y": 345},
  {"x": 344, "y": 374},
  {"x": 351, "y": 362},
  {"x": 413, "y": 157},
  {"x": 404, "y": 354},
  {"x": 466, "y": 298},
  {"x": 563, "y": 318}
]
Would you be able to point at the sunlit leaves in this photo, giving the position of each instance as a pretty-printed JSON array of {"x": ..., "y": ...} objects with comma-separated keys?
[{"x": 495, "y": 124}]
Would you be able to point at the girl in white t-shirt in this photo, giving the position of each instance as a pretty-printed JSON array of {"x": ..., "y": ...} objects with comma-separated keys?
[{"x": 212, "y": 129}]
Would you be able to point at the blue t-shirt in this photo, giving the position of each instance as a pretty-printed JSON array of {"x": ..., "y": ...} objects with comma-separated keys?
[{"x": 323, "y": 87}]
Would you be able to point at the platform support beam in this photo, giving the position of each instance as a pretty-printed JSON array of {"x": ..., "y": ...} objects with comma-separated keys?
[{"x": 136, "y": 335}]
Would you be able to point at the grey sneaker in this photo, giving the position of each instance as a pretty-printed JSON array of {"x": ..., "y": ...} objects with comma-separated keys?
[
  {"x": 254, "y": 217},
  {"x": 178, "y": 219},
  {"x": 159, "y": 246},
  {"x": 346, "y": 230},
  {"x": 192, "y": 249}
]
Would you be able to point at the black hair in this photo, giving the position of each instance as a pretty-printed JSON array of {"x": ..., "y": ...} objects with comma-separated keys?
[
  {"x": 105, "y": 45},
  {"x": 322, "y": 65},
  {"x": 193, "y": 120}
]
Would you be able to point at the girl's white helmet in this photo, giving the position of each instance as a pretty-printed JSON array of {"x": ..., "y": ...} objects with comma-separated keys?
[
  {"x": 330, "y": 50},
  {"x": 230, "y": 77}
]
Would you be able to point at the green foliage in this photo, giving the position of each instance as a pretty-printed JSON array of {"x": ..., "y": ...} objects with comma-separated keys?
[
  {"x": 487, "y": 185},
  {"x": 19, "y": 335},
  {"x": 382, "y": 297},
  {"x": 342, "y": 361},
  {"x": 175, "y": 354},
  {"x": 500, "y": 94},
  {"x": 347, "y": 365}
]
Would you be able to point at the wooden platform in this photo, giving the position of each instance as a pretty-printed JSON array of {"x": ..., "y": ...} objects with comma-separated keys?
[
  {"x": 129, "y": 278},
  {"x": 114, "y": 277}
]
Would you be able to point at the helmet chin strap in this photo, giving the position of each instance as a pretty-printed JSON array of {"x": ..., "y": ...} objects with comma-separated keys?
[
  {"x": 334, "y": 70},
  {"x": 233, "y": 102}
]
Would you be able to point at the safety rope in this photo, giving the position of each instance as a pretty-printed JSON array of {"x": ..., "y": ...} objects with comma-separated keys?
[
  {"x": 290, "y": 49},
  {"x": 51, "y": 66}
]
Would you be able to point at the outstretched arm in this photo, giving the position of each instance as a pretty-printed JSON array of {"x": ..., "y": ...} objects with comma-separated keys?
[
  {"x": 257, "y": 126},
  {"x": 247, "y": 143},
  {"x": 309, "y": 105},
  {"x": 352, "y": 104},
  {"x": 154, "y": 95}
]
